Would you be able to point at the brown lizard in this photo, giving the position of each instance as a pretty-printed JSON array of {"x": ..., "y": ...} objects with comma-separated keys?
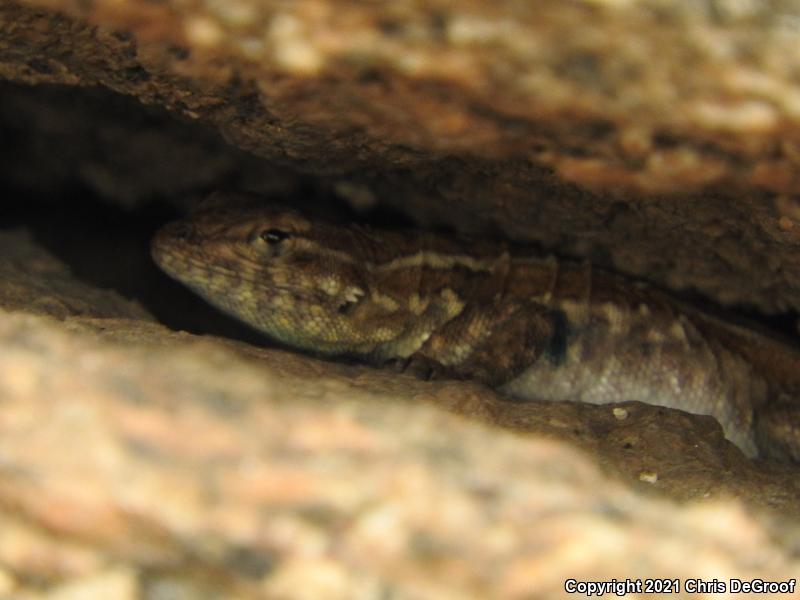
[{"x": 533, "y": 327}]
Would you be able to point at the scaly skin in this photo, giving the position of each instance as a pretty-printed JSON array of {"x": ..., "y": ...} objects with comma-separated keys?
[{"x": 533, "y": 327}]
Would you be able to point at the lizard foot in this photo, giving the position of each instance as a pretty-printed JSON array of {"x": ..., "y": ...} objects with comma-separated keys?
[{"x": 422, "y": 367}]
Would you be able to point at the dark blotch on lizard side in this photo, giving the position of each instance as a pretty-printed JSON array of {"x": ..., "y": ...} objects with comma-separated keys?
[{"x": 556, "y": 351}]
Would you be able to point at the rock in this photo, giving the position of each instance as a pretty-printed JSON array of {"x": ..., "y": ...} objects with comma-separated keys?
[
  {"x": 631, "y": 133},
  {"x": 176, "y": 457}
]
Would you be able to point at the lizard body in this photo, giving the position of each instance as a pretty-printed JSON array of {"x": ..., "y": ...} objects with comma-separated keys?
[{"x": 533, "y": 327}]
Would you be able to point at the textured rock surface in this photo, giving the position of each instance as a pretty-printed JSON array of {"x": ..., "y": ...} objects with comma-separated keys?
[{"x": 658, "y": 137}]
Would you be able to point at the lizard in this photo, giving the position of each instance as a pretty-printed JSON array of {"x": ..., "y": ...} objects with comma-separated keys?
[{"x": 531, "y": 326}]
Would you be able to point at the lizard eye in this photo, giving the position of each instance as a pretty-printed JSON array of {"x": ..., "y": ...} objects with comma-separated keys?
[{"x": 274, "y": 236}]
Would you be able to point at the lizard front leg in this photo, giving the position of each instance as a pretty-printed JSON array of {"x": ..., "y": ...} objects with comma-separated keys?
[{"x": 493, "y": 344}]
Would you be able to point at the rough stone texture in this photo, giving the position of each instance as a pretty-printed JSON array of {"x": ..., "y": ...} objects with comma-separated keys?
[
  {"x": 120, "y": 152},
  {"x": 143, "y": 463},
  {"x": 657, "y": 137},
  {"x": 35, "y": 282}
]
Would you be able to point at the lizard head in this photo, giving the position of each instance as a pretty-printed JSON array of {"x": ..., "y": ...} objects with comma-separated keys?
[{"x": 301, "y": 283}]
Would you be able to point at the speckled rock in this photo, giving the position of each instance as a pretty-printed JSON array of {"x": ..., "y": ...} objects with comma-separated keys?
[
  {"x": 657, "y": 137},
  {"x": 183, "y": 462}
]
